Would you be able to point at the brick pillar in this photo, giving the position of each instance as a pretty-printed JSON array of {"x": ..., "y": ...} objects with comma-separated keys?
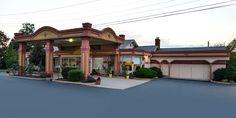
[
  {"x": 85, "y": 52},
  {"x": 117, "y": 60},
  {"x": 21, "y": 59},
  {"x": 49, "y": 58}
]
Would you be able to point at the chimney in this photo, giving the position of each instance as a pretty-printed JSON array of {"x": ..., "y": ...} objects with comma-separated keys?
[
  {"x": 157, "y": 42},
  {"x": 208, "y": 44},
  {"x": 87, "y": 25},
  {"x": 122, "y": 36}
]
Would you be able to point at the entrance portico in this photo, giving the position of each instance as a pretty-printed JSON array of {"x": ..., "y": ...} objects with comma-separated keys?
[{"x": 82, "y": 43}]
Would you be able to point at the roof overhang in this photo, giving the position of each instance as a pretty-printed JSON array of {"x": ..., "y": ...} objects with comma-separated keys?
[{"x": 50, "y": 33}]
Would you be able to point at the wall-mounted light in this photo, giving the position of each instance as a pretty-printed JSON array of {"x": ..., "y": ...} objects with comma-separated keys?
[{"x": 71, "y": 40}]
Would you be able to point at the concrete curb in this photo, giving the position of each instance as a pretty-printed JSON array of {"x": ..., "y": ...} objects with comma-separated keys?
[
  {"x": 225, "y": 83},
  {"x": 78, "y": 83},
  {"x": 30, "y": 78}
]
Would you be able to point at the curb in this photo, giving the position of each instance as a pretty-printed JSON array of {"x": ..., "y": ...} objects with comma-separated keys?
[
  {"x": 225, "y": 83},
  {"x": 78, "y": 83},
  {"x": 29, "y": 78}
]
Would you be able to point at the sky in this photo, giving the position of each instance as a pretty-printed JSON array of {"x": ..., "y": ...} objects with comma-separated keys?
[{"x": 218, "y": 26}]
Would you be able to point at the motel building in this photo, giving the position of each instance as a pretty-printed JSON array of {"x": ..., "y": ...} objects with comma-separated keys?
[{"x": 88, "y": 48}]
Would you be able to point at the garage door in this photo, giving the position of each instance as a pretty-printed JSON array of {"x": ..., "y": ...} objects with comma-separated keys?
[{"x": 190, "y": 71}]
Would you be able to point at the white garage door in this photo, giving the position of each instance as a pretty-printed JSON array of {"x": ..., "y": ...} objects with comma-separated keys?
[{"x": 190, "y": 71}]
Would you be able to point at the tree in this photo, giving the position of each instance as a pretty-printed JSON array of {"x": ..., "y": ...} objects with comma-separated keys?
[
  {"x": 232, "y": 45},
  {"x": 27, "y": 29},
  {"x": 3, "y": 43},
  {"x": 37, "y": 55},
  {"x": 232, "y": 61},
  {"x": 11, "y": 57},
  {"x": 3, "y": 39}
]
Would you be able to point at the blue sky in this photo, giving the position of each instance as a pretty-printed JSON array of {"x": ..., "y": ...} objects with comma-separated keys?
[{"x": 192, "y": 29}]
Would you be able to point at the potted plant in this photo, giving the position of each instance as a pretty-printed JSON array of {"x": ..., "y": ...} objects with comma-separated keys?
[
  {"x": 110, "y": 75},
  {"x": 98, "y": 81},
  {"x": 126, "y": 74}
]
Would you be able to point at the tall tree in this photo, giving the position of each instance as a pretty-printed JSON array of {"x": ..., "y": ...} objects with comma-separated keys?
[
  {"x": 232, "y": 45},
  {"x": 11, "y": 57},
  {"x": 27, "y": 29},
  {"x": 3, "y": 43},
  {"x": 3, "y": 39}
]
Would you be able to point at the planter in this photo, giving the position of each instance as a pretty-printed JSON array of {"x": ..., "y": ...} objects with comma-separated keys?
[
  {"x": 98, "y": 81},
  {"x": 127, "y": 77},
  {"x": 110, "y": 75}
]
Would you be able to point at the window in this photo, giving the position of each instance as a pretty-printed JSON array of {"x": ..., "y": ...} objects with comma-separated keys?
[{"x": 70, "y": 61}]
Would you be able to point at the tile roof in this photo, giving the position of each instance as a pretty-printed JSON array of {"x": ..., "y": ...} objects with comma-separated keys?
[
  {"x": 152, "y": 48},
  {"x": 195, "y": 49},
  {"x": 126, "y": 43}
]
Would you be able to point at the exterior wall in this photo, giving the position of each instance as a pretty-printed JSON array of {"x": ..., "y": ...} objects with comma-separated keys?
[
  {"x": 155, "y": 65},
  {"x": 208, "y": 59},
  {"x": 217, "y": 66},
  {"x": 165, "y": 69},
  {"x": 196, "y": 68}
]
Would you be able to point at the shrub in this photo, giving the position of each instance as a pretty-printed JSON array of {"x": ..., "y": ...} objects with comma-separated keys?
[
  {"x": 230, "y": 74},
  {"x": 8, "y": 71},
  {"x": 95, "y": 72},
  {"x": 145, "y": 73},
  {"x": 30, "y": 69},
  {"x": 75, "y": 75},
  {"x": 65, "y": 71},
  {"x": 219, "y": 74},
  {"x": 158, "y": 70}
]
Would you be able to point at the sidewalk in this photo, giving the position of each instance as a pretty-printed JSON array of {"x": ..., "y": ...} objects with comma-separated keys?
[{"x": 112, "y": 83}]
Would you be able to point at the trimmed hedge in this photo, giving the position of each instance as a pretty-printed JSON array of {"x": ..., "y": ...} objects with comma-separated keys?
[
  {"x": 75, "y": 75},
  {"x": 145, "y": 73},
  {"x": 65, "y": 71},
  {"x": 158, "y": 70}
]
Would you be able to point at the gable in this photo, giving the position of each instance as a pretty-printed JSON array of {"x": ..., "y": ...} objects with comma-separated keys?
[
  {"x": 45, "y": 35},
  {"x": 108, "y": 36}
]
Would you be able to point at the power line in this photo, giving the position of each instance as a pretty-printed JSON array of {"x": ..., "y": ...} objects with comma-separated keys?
[
  {"x": 175, "y": 5},
  {"x": 51, "y": 9},
  {"x": 130, "y": 9},
  {"x": 171, "y": 13}
]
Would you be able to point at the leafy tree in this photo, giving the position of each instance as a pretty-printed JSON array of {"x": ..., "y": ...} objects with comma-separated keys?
[
  {"x": 14, "y": 44},
  {"x": 3, "y": 43},
  {"x": 27, "y": 29},
  {"x": 232, "y": 45},
  {"x": 37, "y": 55},
  {"x": 3, "y": 39},
  {"x": 11, "y": 57},
  {"x": 232, "y": 61}
]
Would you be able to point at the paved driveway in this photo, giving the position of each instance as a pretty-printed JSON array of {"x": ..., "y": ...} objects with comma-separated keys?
[{"x": 155, "y": 99}]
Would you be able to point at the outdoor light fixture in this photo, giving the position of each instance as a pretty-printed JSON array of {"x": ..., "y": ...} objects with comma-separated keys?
[{"x": 70, "y": 40}]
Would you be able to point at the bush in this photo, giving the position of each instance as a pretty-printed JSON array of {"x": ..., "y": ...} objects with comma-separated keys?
[
  {"x": 145, "y": 73},
  {"x": 75, "y": 75},
  {"x": 230, "y": 74},
  {"x": 95, "y": 72},
  {"x": 219, "y": 74},
  {"x": 158, "y": 70},
  {"x": 8, "y": 71},
  {"x": 65, "y": 71}
]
